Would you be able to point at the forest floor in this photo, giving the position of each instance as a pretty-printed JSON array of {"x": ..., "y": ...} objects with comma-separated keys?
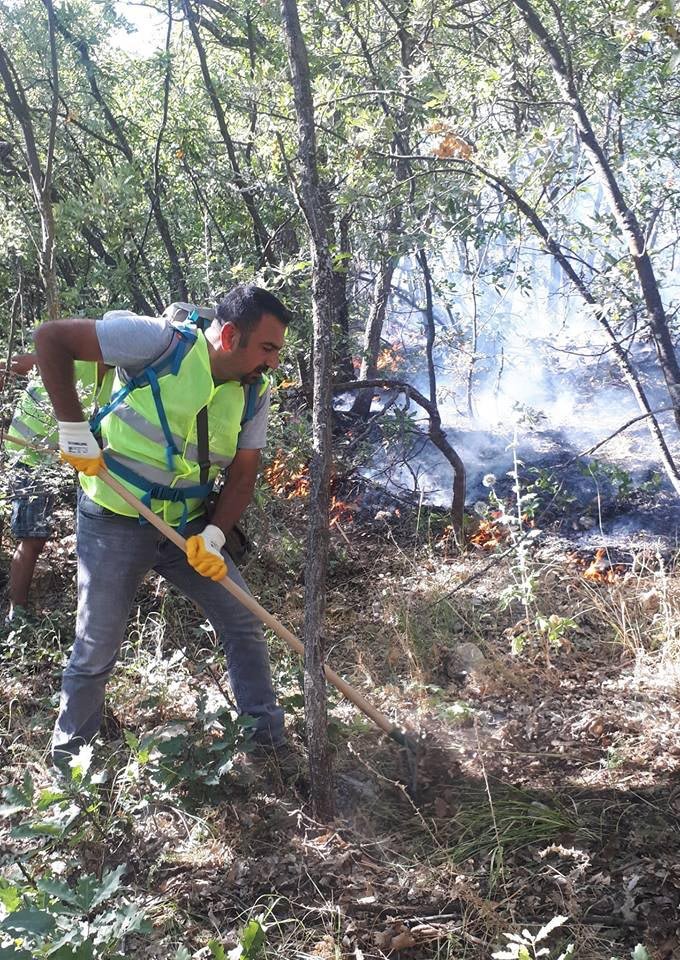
[{"x": 548, "y": 785}]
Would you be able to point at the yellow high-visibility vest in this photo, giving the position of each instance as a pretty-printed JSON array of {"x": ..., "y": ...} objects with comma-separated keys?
[
  {"x": 34, "y": 419},
  {"x": 159, "y": 461}
]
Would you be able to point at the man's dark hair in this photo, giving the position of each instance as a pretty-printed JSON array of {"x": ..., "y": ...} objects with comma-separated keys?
[{"x": 244, "y": 305}]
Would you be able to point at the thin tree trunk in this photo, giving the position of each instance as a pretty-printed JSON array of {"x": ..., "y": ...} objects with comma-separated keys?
[
  {"x": 437, "y": 435},
  {"x": 625, "y": 216},
  {"x": 429, "y": 324},
  {"x": 343, "y": 355},
  {"x": 316, "y": 216},
  {"x": 260, "y": 234},
  {"x": 373, "y": 332}
]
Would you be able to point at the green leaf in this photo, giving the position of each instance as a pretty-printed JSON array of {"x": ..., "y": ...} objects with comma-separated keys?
[
  {"x": 29, "y": 921},
  {"x": 217, "y": 950},
  {"x": 9, "y": 809},
  {"x": 10, "y": 897},
  {"x": 86, "y": 890},
  {"x": 67, "y": 951},
  {"x": 59, "y": 889},
  {"x": 46, "y": 798},
  {"x": 14, "y": 953},
  {"x": 252, "y": 940},
  {"x": 640, "y": 953},
  {"x": 109, "y": 885},
  {"x": 81, "y": 763},
  {"x": 18, "y": 798},
  {"x": 550, "y": 925}
]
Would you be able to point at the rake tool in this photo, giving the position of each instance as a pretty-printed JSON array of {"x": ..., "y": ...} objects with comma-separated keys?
[{"x": 410, "y": 743}]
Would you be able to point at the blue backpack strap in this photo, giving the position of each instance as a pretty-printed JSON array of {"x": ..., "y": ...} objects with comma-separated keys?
[
  {"x": 252, "y": 396},
  {"x": 156, "y": 491},
  {"x": 171, "y": 450},
  {"x": 170, "y": 364}
]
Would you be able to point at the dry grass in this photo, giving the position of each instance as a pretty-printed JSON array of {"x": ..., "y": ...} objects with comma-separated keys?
[{"x": 528, "y": 767}]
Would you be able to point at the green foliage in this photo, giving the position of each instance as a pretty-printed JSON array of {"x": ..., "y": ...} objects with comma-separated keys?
[
  {"x": 524, "y": 946},
  {"x": 547, "y": 491},
  {"x": 88, "y": 920},
  {"x": 250, "y": 946},
  {"x": 195, "y": 754},
  {"x": 69, "y": 807}
]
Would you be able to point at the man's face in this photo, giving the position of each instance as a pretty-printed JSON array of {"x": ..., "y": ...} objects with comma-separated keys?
[{"x": 260, "y": 353}]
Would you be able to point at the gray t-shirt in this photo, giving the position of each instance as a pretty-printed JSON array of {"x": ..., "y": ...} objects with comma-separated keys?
[{"x": 131, "y": 343}]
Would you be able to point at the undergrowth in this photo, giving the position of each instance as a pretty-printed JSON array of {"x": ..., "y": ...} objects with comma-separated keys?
[{"x": 163, "y": 842}]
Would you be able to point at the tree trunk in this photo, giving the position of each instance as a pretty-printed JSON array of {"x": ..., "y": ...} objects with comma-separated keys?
[
  {"x": 342, "y": 346},
  {"x": 315, "y": 212},
  {"x": 373, "y": 332},
  {"x": 622, "y": 358}
]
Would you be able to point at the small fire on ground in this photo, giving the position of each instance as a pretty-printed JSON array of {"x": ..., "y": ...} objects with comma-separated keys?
[
  {"x": 490, "y": 532},
  {"x": 600, "y": 569},
  {"x": 291, "y": 482}
]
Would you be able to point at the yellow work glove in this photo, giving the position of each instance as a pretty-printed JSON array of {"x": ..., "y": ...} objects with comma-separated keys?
[
  {"x": 204, "y": 552},
  {"x": 78, "y": 447}
]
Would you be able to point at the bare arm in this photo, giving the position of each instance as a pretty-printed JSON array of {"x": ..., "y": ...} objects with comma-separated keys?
[
  {"x": 20, "y": 364},
  {"x": 57, "y": 345},
  {"x": 237, "y": 492}
]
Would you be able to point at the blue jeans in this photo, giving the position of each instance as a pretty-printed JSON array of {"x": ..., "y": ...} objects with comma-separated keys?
[{"x": 114, "y": 554}]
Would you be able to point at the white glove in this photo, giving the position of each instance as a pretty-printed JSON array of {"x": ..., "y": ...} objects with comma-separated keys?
[
  {"x": 79, "y": 447},
  {"x": 204, "y": 552}
]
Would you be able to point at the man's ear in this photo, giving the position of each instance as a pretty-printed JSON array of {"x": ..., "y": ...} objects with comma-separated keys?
[{"x": 229, "y": 337}]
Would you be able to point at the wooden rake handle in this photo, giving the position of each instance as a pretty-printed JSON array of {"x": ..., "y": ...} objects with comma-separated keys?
[
  {"x": 245, "y": 598},
  {"x": 391, "y": 729}
]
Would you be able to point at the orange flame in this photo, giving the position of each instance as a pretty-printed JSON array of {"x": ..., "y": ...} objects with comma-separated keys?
[
  {"x": 289, "y": 483},
  {"x": 285, "y": 481},
  {"x": 390, "y": 358},
  {"x": 601, "y": 570},
  {"x": 490, "y": 533},
  {"x": 342, "y": 511}
]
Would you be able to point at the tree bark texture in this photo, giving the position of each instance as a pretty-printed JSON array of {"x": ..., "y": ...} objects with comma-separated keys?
[
  {"x": 373, "y": 332},
  {"x": 315, "y": 212}
]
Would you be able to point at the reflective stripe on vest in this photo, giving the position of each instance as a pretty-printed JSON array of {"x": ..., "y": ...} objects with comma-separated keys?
[
  {"x": 34, "y": 417},
  {"x": 152, "y": 432}
]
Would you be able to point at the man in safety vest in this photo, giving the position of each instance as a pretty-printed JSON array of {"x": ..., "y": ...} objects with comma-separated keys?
[
  {"x": 32, "y": 485},
  {"x": 187, "y": 403}
]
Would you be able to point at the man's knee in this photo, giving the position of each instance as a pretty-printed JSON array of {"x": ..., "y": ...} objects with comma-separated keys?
[{"x": 90, "y": 663}]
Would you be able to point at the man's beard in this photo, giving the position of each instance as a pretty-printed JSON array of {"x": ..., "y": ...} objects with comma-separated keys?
[{"x": 254, "y": 376}]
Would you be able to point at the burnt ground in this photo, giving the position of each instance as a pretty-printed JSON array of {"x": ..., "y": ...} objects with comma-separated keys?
[{"x": 547, "y": 786}]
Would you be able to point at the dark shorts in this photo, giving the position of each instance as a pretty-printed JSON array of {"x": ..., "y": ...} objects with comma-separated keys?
[{"x": 32, "y": 506}]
